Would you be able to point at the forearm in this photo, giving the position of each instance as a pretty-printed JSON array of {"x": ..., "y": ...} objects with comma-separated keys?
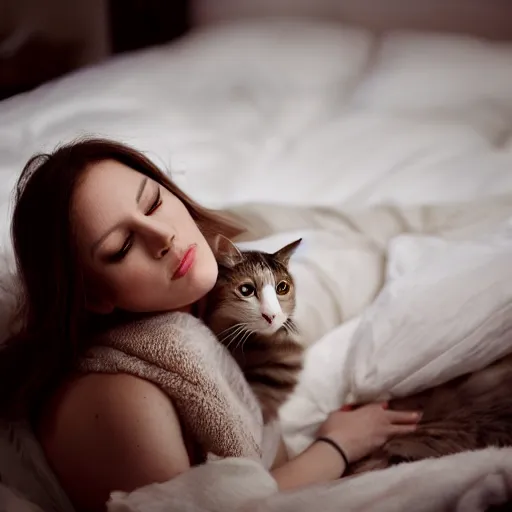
[
  {"x": 319, "y": 463},
  {"x": 281, "y": 456}
]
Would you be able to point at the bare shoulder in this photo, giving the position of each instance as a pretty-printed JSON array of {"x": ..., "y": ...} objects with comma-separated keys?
[{"x": 111, "y": 432}]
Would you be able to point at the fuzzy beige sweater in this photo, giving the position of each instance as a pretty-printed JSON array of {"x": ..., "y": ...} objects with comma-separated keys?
[{"x": 181, "y": 355}]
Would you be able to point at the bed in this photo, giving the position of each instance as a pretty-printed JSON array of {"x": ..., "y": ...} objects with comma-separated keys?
[{"x": 391, "y": 154}]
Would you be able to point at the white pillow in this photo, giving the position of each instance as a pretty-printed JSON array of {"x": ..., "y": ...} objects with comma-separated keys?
[
  {"x": 408, "y": 252},
  {"x": 446, "y": 310}
]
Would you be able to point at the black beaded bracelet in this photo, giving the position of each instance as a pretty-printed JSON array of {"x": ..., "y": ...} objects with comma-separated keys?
[{"x": 338, "y": 448}]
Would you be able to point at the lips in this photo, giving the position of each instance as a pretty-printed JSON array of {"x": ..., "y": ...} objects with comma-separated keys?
[{"x": 186, "y": 263}]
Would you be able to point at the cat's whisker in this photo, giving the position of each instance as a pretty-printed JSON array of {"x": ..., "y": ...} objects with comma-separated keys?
[
  {"x": 230, "y": 339},
  {"x": 235, "y": 335},
  {"x": 245, "y": 337},
  {"x": 231, "y": 328},
  {"x": 243, "y": 340}
]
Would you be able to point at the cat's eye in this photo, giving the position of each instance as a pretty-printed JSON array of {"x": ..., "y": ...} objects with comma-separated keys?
[
  {"x": 282, "y": 288},
  {"x": 246, "y": 290}
]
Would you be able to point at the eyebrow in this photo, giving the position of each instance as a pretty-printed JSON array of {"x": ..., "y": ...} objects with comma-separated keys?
[
  {"x": 141, "y": 189},
  {"x": 113, "y": 228}
]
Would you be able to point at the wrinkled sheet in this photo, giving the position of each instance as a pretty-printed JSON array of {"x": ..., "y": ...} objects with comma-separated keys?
[{"x": 466, "y": 482}]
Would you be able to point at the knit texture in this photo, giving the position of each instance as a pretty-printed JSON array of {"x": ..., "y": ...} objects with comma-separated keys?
[{"x": 181, "y": 355}]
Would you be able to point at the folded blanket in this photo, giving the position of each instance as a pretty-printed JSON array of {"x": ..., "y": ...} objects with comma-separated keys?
[
  {"x": 179, "y": 353},
  {"x": 466, "y": 482}
]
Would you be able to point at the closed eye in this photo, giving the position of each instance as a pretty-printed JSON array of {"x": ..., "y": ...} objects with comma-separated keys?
[
  {"x": 156, "y": 203},
  {"x": 119, "y": 255}
]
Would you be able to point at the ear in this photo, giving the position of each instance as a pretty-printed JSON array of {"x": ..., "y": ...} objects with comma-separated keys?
[
  {"x": 284, "y": 254},
  {"x": 226, "y": 252}
]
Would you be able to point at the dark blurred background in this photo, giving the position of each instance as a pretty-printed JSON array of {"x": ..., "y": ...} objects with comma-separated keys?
[{"x": 43, "y": 39}]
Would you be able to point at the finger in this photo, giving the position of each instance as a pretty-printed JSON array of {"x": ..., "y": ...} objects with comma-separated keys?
[
  {"x": 395, "y": 430},
  {"x": 376, "y": 405},
  {"x": 403, "y": 417},
  {"x": 347, "y": 407}
]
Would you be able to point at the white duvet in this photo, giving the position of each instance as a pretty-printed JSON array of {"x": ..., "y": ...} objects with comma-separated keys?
[
  {"x": 342, "y": 137},
  {"x": 445, "y": 310}
]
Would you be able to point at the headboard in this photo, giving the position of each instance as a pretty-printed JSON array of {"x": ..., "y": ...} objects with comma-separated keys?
[{"x": 484, "y": 18}]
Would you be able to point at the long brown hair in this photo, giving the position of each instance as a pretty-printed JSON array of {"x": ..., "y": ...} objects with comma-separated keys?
[{"x": 53, "y": 315}]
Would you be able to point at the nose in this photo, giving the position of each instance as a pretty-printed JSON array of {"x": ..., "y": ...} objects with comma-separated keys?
[
  {"x": 163, "y": 245},
  {"x": 159, "y": 239},
  {"x": 269, "y": 317}
]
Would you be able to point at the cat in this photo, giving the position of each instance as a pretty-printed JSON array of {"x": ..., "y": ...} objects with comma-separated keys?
[
  {"x": 470, "y": 412},
  {"x": 250, "y": 310}
]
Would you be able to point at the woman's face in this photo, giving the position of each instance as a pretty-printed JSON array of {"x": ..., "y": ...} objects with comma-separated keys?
[{"x": 142, "y": 250}]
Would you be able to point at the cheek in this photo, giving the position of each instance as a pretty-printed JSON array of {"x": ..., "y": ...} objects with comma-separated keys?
[
  {"x": 131, "y": 280},
  {"x": 253, "y": 308},
  {"x": 96, "y": 281},
  {"x": 287, "y": 305},
  {"x": 205, "y": 270},
  {"x": 199, "y": 282},
  {"x": 241, "y": 310}
]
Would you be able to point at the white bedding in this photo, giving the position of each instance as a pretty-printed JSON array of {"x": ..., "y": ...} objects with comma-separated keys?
[
  {"x": 303, "y": 114},
  {"x": 292, "y": 112},
  {"x": 446, "y": 309}
]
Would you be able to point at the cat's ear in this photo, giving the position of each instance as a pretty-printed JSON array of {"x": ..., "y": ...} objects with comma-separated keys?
[
  {"x": 284, "y": 254},
  {"x": 226, "y": 252}
]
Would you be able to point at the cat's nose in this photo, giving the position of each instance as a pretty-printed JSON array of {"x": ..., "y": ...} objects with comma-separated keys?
[{"x": 269, "y": 318}]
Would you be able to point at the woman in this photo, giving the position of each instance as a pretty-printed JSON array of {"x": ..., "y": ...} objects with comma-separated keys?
[{"x": 96, "y": 228}]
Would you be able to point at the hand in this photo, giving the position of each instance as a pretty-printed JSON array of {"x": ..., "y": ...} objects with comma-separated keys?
[{"x": 361, "y": 431}]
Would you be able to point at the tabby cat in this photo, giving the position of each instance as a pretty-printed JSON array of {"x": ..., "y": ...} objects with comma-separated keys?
[
  {"x": 250, "y": 311},
  {"x": 467, "y": 413}
]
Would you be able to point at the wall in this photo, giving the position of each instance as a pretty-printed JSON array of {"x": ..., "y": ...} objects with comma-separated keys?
[
  {"x": 488, "y": 18},
  {"x": 80, "y": 22}
]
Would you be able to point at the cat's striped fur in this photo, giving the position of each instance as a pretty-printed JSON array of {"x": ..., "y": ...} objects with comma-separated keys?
[{"x": 250, "y": 310}]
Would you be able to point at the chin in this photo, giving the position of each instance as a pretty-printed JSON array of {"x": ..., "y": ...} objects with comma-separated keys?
[
  {"x": 268, "y": 330},
  {"x": 201, "y": 283}
]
